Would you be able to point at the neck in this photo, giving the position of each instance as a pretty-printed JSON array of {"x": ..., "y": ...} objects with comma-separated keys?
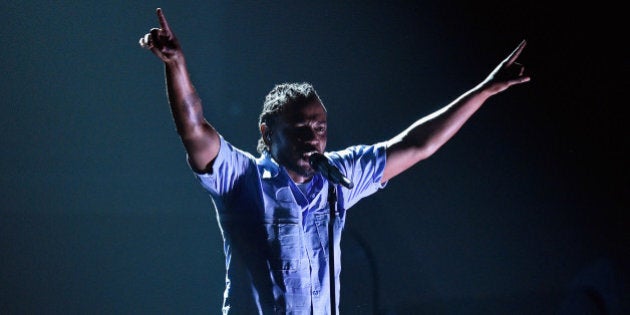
[{"x": 298, "y": 178}]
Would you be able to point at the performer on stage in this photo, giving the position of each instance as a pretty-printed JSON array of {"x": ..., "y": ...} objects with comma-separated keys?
[{"x": 274, "y": 209}]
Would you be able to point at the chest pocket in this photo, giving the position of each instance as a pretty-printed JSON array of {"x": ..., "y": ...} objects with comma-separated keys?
[
  {"x": 284, "y": 231},
  {"x": 321, "y": 222}
]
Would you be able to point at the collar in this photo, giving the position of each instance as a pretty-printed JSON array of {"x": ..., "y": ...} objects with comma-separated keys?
[
  {"x": 269, "y": 168},
  {"x": 274, "y": 174}
]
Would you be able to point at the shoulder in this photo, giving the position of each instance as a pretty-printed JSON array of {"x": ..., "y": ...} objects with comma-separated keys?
[{"x": 359, "y": 151}]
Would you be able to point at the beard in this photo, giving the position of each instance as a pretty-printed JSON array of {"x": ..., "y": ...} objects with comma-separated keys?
[
  {"x": 297, "y": 163},
  {"x": 301, "y": 166}
]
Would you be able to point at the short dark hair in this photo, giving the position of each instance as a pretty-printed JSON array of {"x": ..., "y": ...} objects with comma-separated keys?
[{"x": 276, "y": 101}]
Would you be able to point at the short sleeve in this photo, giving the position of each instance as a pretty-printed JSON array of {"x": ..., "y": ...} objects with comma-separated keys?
[
  {"x": 364, "y": 166},
  {"x": 229, "y": 165}
]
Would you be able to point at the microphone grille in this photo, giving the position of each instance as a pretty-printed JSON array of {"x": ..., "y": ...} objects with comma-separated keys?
[{"x": 316, "y": 158}]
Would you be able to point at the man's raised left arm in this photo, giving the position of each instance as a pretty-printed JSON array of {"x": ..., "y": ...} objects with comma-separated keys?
[{"x": 425, "y": 136}]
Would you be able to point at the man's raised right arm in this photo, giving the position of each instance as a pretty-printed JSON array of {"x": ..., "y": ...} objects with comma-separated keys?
[{"x": 200, "y": 139}]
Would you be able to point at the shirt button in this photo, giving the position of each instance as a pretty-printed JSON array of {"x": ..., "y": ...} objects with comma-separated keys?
[{"x": 315, "y": 293}]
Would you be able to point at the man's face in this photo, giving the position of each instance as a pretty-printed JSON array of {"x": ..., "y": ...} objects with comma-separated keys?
[{"x": 300, "y": 131}]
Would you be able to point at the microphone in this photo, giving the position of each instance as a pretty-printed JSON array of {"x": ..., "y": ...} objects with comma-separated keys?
[{"x": 322, "y": 164}]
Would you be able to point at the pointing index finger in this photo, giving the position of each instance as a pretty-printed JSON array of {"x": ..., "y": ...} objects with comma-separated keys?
[
  {"x": 162, "y": 19},
  {"x": 514, "y": 55}
]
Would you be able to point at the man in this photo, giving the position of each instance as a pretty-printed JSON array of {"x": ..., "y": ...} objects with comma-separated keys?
[{"x": 274, "y": 210}]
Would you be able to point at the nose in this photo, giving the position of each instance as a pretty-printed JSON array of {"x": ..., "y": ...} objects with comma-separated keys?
[
  {"x": 309, "y": 139},
  {"x": 311, "y": 134},
  {"x": 307, "y": 134}
]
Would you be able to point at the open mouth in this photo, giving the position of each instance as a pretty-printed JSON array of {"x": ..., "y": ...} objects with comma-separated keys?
[
  {"x": 304, "y": 158},
  {"x": 307, "y": 155}
]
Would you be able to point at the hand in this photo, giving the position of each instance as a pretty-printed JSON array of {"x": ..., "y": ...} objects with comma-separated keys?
[
  {"x": 161, "y": 41},
  {"x": 507, "y": 73}
]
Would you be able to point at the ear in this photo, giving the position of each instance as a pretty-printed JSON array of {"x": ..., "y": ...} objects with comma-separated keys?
[{"x": 265, "y": 132}]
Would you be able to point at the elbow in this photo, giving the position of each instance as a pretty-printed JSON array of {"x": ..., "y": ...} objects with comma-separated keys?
[
  {"x": 427, "y": 149},
  {"x": 194, "y": 130},
  {"x": 405, "y": 150},
  {"x": 420, "y": 148},
  {"x": 404, "y": 153}
]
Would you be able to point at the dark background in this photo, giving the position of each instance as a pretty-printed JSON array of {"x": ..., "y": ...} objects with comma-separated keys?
[{"x": 523, "y": 212}]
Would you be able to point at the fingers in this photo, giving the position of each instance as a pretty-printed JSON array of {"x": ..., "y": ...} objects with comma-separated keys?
[
  {"x": 155, "y": 36},
  {"x": 159, "y": 38},
  {"x": 519, "y": 80},
  {"x": 155, "y": 33},
  {"x": 162, "y": 19},
  {"x": 521, "y": 68},
  {"x": 145, "y": 41},
  {"x": 520, "y": 77},
  {"x": 514, "y": 55}
]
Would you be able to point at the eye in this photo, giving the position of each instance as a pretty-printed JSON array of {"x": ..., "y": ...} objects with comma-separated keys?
[{"x": 320, "y": 129}]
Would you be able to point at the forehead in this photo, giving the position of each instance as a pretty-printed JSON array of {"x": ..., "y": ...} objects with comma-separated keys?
[{"x": 311, "y": 111}]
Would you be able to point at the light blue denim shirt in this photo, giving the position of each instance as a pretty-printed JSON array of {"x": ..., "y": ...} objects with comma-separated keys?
[{"x": 275, "y": 236}]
